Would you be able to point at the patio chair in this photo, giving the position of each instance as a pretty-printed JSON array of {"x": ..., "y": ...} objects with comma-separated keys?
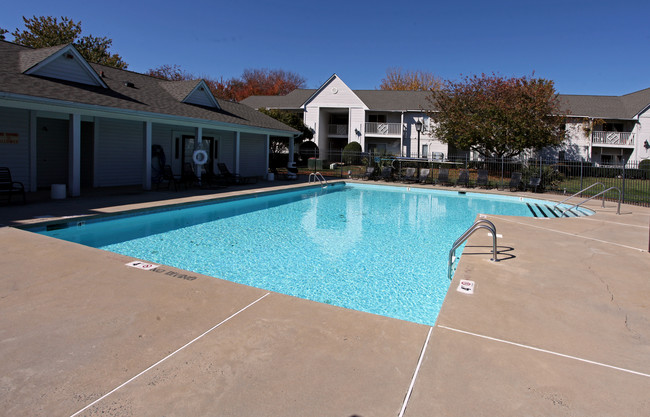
[
  {"x": 443, "y": 176},
  {"x": 482, "y": 180},
  {"x": 370, "y": 172},
  {"x": 409, "y": 175},
  {"x": 167, "y": 175},
  {"x": 188, "y": 176},
  {"x": 386, "y": 173},
  {"x": 9, "y": 187},
  {"x": 424, "y": 175},
  {"x": 231, "y": 178},
  {"x": 515, "y": 181},
  {"x": 463, "y": 178},
  {"x": 534, "y": 183}
]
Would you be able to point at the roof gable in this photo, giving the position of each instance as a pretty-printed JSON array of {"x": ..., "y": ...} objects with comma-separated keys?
[
  {"x": 61, "y": 63},
  {"x": 335, "y": 93},
  {"x": 191, "y": 92}
]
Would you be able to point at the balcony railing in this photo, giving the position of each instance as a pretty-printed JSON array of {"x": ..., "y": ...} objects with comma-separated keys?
[
  {"x": 341, "y": 130},
  {"x": 384, "y": 129},
  {"x": 612, "y": 138}
]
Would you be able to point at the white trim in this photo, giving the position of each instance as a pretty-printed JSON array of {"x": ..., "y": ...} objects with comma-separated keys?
[
  {"x": 80, "y": 59},
  {"x": 59, "y": 106},
  {"x": 206, "y": 91},
  {"x": 415, "y": 374}
]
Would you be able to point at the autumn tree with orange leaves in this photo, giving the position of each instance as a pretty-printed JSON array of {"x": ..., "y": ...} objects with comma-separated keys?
[{"x": 253, "y": 82}]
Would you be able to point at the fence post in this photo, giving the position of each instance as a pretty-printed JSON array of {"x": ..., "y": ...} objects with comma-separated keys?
[
  {"x": 623, "y": 190},
  {"x": 502, "y": 172},
  {"x": 581, "y": 187}
]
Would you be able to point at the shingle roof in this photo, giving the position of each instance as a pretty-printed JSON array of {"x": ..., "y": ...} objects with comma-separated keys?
[
  {"x": 606, "y": 107},
  {"x": 148, "y": 94},
  {"x": 375, "y": 100}
]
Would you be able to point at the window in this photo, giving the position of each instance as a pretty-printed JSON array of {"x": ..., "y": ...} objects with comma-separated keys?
[{"x": 377, "y": 118}]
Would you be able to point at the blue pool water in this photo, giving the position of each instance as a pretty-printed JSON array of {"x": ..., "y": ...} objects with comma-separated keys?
[{"x": 372, "y": 248}]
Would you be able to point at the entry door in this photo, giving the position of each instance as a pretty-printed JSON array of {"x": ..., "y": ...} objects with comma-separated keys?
[{"x": 188, "y": 152}]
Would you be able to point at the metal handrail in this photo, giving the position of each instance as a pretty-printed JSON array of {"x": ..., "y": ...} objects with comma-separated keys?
[
  {"x": 580, "y": 192},
  {"x": 618, "y": 210},
  {"x": 479, "y": 224},
  {"x": 317, "y": 176}
]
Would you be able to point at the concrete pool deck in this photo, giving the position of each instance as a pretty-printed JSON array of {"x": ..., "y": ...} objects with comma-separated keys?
[{"x": 560, "y": 326}]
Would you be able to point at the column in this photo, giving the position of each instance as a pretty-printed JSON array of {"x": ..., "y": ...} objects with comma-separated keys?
[
  {"x": 237, "y": 145},
  {"x": 146, "y": 180},
  {"x": 268, "y": 153},
  {"x": 198, "y": 136},
  {"x": 74, "y": 156}
]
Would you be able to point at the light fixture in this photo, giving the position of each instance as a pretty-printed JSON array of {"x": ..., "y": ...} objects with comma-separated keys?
[
  {"x": 418, "y": 127},
  {"x": 646, "y": 144}
]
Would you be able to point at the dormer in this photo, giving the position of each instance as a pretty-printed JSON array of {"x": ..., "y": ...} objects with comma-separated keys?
[
  {"x": 191, "y": 92},
  {"x": 62, "y": 62}
]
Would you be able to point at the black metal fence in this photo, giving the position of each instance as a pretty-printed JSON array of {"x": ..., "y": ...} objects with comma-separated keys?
[{"x": 560, "y": 177}]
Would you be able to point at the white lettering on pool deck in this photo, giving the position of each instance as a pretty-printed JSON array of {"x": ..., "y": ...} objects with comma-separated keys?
[
  {"x": 168, "y": 356},
  {"x": 545, "y": 351}
]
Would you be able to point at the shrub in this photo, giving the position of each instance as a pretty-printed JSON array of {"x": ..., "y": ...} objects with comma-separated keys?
[{"x": 352, "y": 153}]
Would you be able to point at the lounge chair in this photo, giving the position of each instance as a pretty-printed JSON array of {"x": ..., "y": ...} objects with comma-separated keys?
[
  {"x": 463, "y": 178},
  {"x": 534, "y": 183},
  {"x": 482, "y": 180},
  {"x": 409, "y": 175},
  {"x": 9, "y": 187},
  {"x": 443, "y": 176},
  {"x": 167, "y": 175},
  {"x": 188, "y": 176},
  {"x": 424, "y": 175},
  {"x": 515, "y": 181},
  {"x": 370, "y": 172},
  {"x": 231, "y": 178},
  {"x": 386, "y": 173}
]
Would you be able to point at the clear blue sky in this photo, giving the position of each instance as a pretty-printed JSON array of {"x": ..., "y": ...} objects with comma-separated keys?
[{"x": 586, "y": 47}]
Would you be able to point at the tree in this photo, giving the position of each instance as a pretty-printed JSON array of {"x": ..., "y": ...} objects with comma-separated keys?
[
  {"x": 398, "y": 79},
  {"x": 2, "y": 34},
  {"x": 264, "y": 82},
  {"x": 170, "y": 73},
  {"x": 278, "y": 144},
  {"x": 498, "y": 116},
  {"x": 45, "y": 31}
]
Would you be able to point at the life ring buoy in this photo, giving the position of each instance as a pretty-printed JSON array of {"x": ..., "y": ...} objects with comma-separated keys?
[{"x": 200, "y": 157}]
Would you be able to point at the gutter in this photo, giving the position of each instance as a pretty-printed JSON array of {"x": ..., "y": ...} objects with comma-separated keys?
[{"x": 139, "y": 115}]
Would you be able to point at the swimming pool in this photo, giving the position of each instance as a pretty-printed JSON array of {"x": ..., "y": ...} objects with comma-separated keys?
[{"x": 373, "y": 248}]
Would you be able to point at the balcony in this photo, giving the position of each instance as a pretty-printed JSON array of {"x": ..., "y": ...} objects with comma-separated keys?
[
  {"x": 384, "y": 129},
  {"x": 612, "y": 139},
  {"x": 337, "y": 130}
]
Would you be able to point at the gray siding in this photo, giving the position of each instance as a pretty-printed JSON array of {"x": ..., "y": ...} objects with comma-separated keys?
[
  {"x": 16, "y": 156},
  {"x": 63, "y": 68},
  {"x": 253, "y": 155},
  {"x": 120, "y": 152},
  {"x": 52, "y": 156}
]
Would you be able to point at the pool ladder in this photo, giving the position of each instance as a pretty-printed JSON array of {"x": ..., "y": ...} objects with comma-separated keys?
[
  {"x": 575, "y": 206},
  {"x": 479, "y": 224},
  {"x": 317, "y": 176}
]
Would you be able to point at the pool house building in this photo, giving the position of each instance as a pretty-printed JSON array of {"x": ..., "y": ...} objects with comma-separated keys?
[
  {"x": 600, "y": 129},
  {"x": 64, "y": 120}
]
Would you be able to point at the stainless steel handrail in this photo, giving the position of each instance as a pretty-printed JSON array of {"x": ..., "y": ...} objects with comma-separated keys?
[
  {"x": 580, "y": 192},
  {"x": 618, "y": 210},
  {"x": 479, "y": 224},
  {"x": 317, "y": 176}
]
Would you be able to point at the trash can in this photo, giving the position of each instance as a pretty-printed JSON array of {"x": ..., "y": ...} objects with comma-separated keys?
[
  {"x": 270, "y": 176},
  {"x": 58, "y": 192}
]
